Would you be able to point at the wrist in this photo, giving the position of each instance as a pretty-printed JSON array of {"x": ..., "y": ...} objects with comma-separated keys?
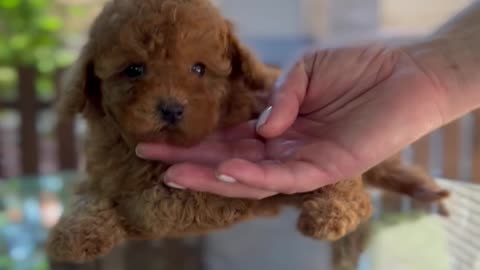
[{"x": 453, "y": 63}]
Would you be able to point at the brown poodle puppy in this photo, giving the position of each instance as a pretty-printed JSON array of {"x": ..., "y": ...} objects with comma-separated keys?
[{"x": 173, "y": 70}]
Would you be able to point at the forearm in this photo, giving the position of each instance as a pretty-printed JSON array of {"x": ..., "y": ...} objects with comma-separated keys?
[{"x": 452, "y": 56}]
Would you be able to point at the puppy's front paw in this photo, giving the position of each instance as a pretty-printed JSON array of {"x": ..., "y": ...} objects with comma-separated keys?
[
  {"x": 320, "y": 227},
  {"x": 332, "y": 219},
  {"x": 78, "y": 245},
  {"x": 92, "y": 232}
]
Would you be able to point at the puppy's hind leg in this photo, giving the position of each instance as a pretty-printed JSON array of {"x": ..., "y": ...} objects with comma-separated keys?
[{"x": 392, "y": 175}]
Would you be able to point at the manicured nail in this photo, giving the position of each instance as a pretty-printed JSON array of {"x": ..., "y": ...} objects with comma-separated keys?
[
  {"x": 226, "y": 179},
  {"x": 166, "y": 180},
  {"x": 264, "y": 117},
  {"x": 173, "y": 185},
  {"x": 280, "y": 81},
  {"x": 138, "y": 151}
]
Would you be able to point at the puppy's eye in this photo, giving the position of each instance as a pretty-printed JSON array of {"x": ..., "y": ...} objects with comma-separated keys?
[
  {"x": 198, "y": 69},
  {"x": 134, "y": 71}
]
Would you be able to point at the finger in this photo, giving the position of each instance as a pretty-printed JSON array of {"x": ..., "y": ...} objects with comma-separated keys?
[
  {"x": 242, "y": 131},
  {"x": 287, "y": 177},
  {"x": 203, "y": 179},
  {"x": 285, "y": 104},
  {"x": 208, "y": 153},
  {"x": 213, "y": 149}
]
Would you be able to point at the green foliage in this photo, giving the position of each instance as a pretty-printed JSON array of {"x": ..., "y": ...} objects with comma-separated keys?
[
  {"x": 30, "y": 34},
  {"x": 5, "y": 262},
  {"x": 7, "y": 82}
]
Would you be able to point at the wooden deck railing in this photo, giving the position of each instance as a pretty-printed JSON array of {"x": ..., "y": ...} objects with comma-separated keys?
[{"x": 28, "y": 106}]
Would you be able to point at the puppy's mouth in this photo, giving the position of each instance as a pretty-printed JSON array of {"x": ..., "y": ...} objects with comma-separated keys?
[
  {"x": 163, "y": 134},
  {"x": 169, "y": 135}
]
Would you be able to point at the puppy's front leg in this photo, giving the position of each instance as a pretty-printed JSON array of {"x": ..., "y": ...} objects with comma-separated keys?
[
  {"x": 161, "y": 211},
  {"x": 152, "y": 213},
  {"x": 90, "y": 230}
]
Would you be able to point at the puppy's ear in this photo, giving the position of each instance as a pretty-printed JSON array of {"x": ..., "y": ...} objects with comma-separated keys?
[
  {"x": 81, "y": 91},
  {"x": 246, "y": 67}
]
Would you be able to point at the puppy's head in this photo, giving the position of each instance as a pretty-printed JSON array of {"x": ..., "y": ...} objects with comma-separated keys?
[{"x": 169, "y": 70}]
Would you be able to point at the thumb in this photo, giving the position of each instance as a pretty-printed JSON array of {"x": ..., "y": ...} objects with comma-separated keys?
[{"x": 287, "y": 99}]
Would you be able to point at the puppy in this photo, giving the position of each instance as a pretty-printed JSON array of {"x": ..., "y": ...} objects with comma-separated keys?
[{"x": 174, "y": 71}]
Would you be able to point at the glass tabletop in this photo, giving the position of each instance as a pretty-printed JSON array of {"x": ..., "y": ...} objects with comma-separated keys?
[
  {"x": 29, "y": 207},
  {"x": 395, "y": 238}
]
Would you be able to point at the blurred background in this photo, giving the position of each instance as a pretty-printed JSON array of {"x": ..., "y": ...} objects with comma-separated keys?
[{"x": 39, "y": 39}]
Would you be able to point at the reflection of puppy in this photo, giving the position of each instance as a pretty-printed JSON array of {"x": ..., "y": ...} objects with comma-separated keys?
[{"x": 171, "y": 70}]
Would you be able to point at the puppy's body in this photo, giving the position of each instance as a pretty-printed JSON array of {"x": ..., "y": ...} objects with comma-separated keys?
[{"x": 173, "y": 70}]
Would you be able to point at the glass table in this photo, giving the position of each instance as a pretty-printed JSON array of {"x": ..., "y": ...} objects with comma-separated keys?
[{"x": 394, "y": 239}]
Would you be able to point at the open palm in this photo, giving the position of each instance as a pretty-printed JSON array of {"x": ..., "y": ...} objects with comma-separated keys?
[{"x": 336, "y": 113}]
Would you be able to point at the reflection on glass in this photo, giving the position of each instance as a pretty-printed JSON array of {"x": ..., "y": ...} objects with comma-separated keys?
[
  {"x": 399, "y": 238},
  {"x": 28, "y": 208}
]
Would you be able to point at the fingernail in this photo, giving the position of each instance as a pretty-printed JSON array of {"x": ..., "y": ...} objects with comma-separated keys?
[
  {"x": 264, "y": 117},
  {"x": 166, "y": 180},
  {"x": 280, "y": 81},
  {"x": 226, "y": 179},
  {"x": 175, "y": 186},
  {"x": 138, "y": 151}
]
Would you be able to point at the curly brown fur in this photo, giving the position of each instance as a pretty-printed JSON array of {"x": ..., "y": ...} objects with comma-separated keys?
[{"x": 124, "y": 197}]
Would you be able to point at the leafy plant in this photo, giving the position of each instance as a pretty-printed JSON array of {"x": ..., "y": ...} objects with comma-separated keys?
[
  {"x": 7, "y": 82},
  {"x": 31, "y": 34}
]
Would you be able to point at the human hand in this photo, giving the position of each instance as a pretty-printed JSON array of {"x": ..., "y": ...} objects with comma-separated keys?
[{"x": 335, "y": 114}]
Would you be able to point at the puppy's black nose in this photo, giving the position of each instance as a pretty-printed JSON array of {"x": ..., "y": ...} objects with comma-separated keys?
[{"x": 171, "y": 112}]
